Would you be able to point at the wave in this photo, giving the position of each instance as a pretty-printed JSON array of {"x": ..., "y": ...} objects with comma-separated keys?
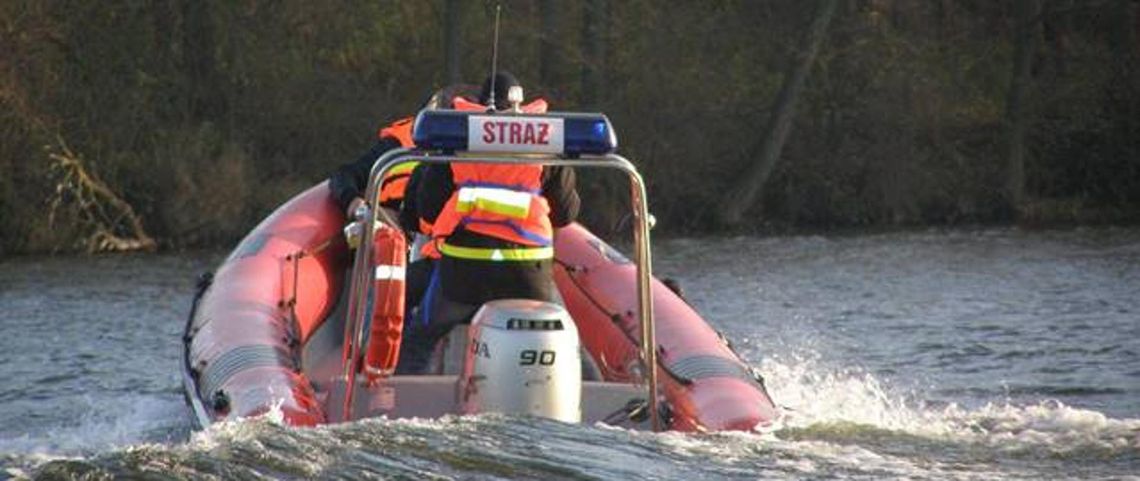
[
  {"x": 838, "y": 423},
  {"x": 105, "y": 423},
  {"x": 854, "y": 407},
  {"x": 510, "y": 447}
]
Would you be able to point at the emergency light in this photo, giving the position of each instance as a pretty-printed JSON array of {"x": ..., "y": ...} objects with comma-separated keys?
[{"x": 567, "y": 134}]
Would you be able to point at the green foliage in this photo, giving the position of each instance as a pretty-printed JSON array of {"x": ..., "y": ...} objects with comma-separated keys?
[{"x": 207, "y": 114}]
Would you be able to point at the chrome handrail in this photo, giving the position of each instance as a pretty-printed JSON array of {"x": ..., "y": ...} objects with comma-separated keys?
[{"x": 354, "y": 327}]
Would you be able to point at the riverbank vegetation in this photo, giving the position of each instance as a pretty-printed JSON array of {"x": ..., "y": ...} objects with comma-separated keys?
[{"x": 193, "y": 119}]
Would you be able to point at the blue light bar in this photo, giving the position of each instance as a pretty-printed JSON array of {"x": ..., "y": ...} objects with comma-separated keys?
[
  {"x": 567, "y": 134},
  {"x": 440, "y": 130}
]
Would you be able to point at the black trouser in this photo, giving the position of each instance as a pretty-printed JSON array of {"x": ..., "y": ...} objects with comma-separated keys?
[
  {"x": 431, "y": 321},
  {"x": 458, "y": 287},
  {"x": 418, "y": 276}
]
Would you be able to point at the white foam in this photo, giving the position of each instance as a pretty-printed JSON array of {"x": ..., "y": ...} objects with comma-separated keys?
[
  {"x": 814, "y": 396},
  {"x": 105, "y": 424},
  {"x": 1050, "y": 425}
]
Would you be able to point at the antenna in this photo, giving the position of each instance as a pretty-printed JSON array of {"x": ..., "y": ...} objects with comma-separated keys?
[{"x": 495, "y": 55}]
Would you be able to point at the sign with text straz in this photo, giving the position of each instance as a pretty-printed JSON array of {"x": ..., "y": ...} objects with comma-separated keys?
[{"x": 502, "y": 133}]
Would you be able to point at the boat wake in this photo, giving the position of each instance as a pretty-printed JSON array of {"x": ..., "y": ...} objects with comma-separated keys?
[
  {"x": 854, "y": 409},
  {"x": 104, "y": 424},
  {"x": 845, "y": 423}
]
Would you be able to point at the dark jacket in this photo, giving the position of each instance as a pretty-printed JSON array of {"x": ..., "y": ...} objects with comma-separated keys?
[
  {"x": 409, "y": 213},
  {"x": 475, "y": 282},
  {"x": 350, "y": 180}
]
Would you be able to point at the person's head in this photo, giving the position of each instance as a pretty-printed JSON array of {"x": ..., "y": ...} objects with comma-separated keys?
[{"x": 503, "y": 81}]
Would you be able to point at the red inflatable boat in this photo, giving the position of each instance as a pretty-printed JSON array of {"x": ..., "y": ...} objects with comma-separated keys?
[{"x": 289, "y": 322}]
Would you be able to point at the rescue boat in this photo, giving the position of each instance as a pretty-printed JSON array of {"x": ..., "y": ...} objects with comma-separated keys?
[{"x": 305, "y": 320}]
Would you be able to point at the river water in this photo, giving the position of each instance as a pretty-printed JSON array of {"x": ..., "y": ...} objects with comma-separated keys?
[{"x": 989, "y": 354}]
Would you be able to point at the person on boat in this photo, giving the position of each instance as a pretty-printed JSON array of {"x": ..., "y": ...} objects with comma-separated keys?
[
  {"x": 488, "y": 251},
  {"x": 348, "y": 182}
]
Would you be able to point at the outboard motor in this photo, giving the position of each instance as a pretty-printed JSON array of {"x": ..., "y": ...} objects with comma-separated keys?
[{"x": 523, "y": 357}]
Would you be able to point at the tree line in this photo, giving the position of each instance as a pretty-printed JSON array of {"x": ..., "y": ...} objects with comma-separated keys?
[{"x": 180, "y": 123}]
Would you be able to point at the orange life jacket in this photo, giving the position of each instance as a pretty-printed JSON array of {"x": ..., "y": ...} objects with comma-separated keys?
[
  {"x": 428, "y": 249},
  {"x": 463, "y": 105},
  {"x": 395, "y": 182},
  {"x": 537, "y": 106},
  {"x": 500, "y": 201}
]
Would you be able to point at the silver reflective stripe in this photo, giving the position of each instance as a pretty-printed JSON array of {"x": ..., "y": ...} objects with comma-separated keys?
[{"x": 390, "y": 273}]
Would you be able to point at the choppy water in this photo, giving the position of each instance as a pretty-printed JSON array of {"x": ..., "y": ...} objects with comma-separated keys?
[{"x": 995, "y": 354}]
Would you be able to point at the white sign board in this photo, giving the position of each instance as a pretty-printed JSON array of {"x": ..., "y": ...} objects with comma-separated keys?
[{"x": 486, "y": 133}]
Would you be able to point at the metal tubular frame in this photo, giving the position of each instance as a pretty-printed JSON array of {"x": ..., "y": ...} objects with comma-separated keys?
[{"x": 354, "y": 325}]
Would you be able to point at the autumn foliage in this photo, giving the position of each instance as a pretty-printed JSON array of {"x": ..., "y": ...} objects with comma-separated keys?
[{"x": 201, "y": 116}]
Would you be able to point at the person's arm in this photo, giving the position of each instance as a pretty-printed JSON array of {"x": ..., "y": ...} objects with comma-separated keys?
[
  {"x": 434, "y": 190},
  {"x": 409, "y": 214},
  {"x": 348, "y": 182},
  {"x": 559, "y": 186}
]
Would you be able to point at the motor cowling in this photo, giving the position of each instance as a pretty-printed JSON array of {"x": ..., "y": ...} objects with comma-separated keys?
[{"x": 522, "y": 357}]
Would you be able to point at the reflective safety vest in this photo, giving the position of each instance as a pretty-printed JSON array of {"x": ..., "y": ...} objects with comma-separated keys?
[
  {"x": 395, "y": 182},
  {"x": 537, "y": 106},
  {"x": 430, "y": 249},
  {"x": 463, "y": 105},
  {"x": 500, "y": 201}
]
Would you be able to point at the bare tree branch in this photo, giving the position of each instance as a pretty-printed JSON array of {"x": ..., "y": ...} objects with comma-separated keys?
[{"x": 98, "y": 207}]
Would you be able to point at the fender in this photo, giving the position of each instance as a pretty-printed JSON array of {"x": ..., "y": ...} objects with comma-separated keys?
[{"x": 389, "y": 254}]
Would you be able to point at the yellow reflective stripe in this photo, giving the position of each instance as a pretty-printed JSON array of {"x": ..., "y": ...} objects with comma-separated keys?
[
  {"x": 402, "y": 168},
  {"x": 496, "y": 201},
  {"x": 493, "y": 254}
]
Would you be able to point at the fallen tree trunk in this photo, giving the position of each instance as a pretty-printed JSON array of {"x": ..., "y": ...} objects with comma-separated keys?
[{"x": 112, "y": 222}]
